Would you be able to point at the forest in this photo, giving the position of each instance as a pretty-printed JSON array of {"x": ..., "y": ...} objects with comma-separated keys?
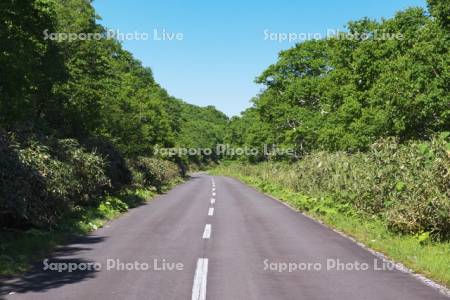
[
  {"x": 343, "y": 94},
  {"x": 80, "y": 119}
]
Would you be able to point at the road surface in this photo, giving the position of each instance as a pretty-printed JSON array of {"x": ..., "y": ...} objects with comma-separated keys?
[{"x": 215, "y": 238}]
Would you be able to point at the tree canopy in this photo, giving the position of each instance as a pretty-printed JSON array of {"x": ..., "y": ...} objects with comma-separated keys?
[
  {"x": 378, "y": 79},
  {"x": 88, "y": 87}
]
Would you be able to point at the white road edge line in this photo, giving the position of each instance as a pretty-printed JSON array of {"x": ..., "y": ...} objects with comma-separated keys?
[
  {"x": 211, "y": 211},
  {"x": 200, "y": 279},
  {"x": 213, "y": 200},
  {"x": 400, "y": 267},
  {"x": 207, "y": 231}
]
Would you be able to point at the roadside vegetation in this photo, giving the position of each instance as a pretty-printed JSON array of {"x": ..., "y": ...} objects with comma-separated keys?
[
  {"x": 80, "y": 122},
  {"x": 405, "y": 185}
]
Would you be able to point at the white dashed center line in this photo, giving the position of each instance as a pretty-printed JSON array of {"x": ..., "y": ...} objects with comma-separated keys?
[
  {"x": 207, "y": 231},
  {"x": 211, "y": 211},
  {"x": 201, "y": 272},
  {"x": 200, "y": 279}
]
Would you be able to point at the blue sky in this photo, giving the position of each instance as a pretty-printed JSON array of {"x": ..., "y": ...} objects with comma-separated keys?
[{"x": 223, "y": 47}]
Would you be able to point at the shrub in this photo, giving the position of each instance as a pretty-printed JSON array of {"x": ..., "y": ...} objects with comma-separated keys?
[
  {"x": 43, "y": 178},
  {"x": 89, "y": 170},
  {"x": 407, "y": 185},
  {"x": 116, "y": 168},
  {"x": 154, "y": 172},
  {"x": 18, "y": 184},
  {"x": 115, "y": 203}
]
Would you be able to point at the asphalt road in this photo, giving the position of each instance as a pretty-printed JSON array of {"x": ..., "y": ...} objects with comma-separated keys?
[{"x": 241, "y": 245}]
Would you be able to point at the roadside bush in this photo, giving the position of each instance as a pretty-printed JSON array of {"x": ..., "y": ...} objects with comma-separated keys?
[
  {"x": 18, "y": 184},
  {"x": 89, "y": 170},
  {"x": 41, "y": 179},
  {"x": 419, "y": 196},
  {"x": 115, "y": 203},
  {"x": 154, "y": 172},
  {"x": 116, "y": 167},
  {"x": 407, "y": 185}
]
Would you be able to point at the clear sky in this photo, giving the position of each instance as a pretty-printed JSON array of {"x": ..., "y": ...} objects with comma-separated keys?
[{"x": 223, "y": 47}]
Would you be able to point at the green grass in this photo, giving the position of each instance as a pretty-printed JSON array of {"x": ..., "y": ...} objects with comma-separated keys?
[
  {"x": 420, "y": 254},
  {"x": 18, "y": 249}
]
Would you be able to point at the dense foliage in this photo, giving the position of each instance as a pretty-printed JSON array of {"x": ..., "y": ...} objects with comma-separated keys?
[
  {"x": 379, "y": 79},
  {"x": 43, "y": 178},
  {"x": 154, "y": 172},
  {"x": 406, "y": 185},
  {"x": 82, "y": 117}
]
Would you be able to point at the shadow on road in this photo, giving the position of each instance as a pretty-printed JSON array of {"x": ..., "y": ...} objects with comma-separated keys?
[{"x": 40, "y": 280}]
